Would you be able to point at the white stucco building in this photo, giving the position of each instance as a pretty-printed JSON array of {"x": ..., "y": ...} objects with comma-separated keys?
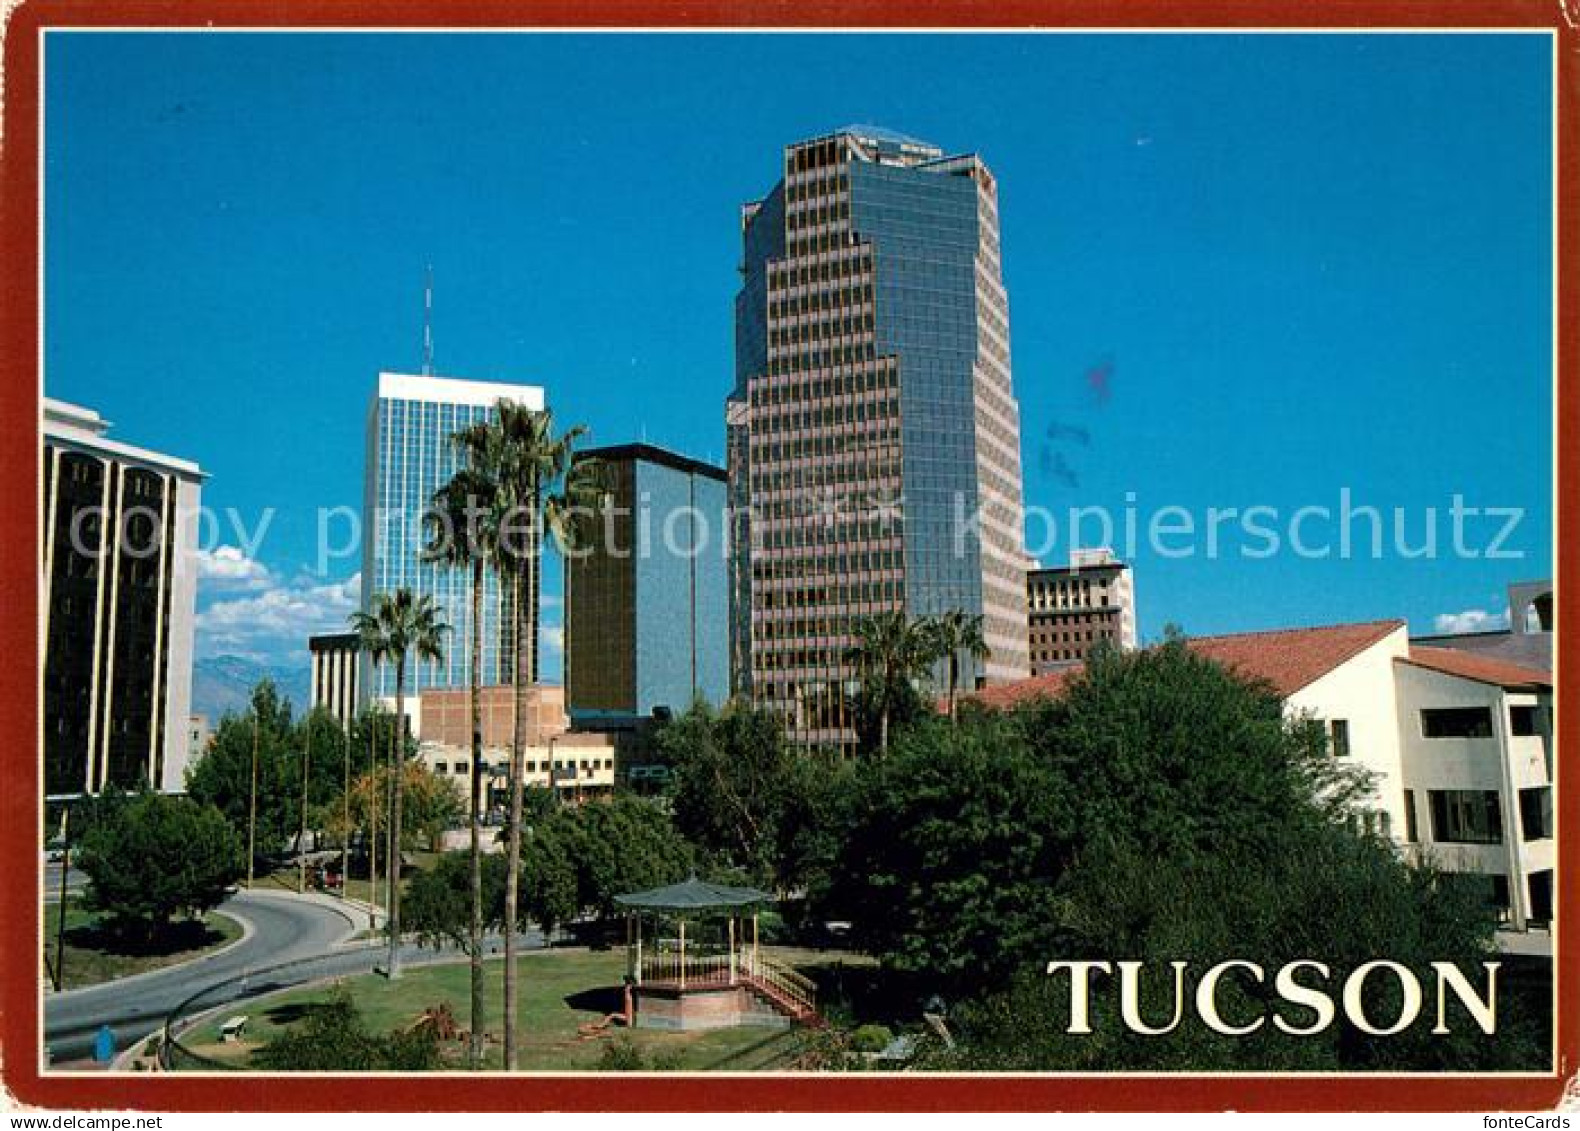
[{"x": 1459, "y": 747}]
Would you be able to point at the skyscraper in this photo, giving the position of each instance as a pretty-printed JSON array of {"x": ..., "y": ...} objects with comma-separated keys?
[
  {"x": 646, "y": 604},
  {"x": 119, "y": 591},
  {"x": 874, "y": 437},
  {"x": 410, "y": 455}
]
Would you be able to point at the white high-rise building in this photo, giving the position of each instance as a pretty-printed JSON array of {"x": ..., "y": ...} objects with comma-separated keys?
[
  {"x": 118, "y": 593},
  {"x": 410, "y": 455}
]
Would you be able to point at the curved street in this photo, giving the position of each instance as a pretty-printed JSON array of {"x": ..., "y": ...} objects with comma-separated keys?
[{"x": 282, "y": 928}]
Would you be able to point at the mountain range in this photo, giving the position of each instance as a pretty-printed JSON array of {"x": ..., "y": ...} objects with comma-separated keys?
[{"x": 222, "y": 684}]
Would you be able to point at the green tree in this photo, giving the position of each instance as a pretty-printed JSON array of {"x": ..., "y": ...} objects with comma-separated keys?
[
  {"x": 957, "y": 633},
  {"x": 400, "y": 624},
  {"x": 152, "y": 857},
  {"x": 948, "y": 854},
  {"x": 733, "y": 771},
  {"x": 890, "y": 653},
  {"x": 223, "y": 775},
  {"x": 623, "y": 845},
  {"x": 536, "y": 486},
  {"x": 439, "y": 901},
  {"x": 1162, "y": 809}
]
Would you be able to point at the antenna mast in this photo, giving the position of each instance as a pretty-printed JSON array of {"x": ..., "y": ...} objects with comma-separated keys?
[{"x": 427, "y": 324}]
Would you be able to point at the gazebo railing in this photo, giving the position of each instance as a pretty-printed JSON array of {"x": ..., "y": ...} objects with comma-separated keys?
[
  {"x": 796, "y": 991},
  {"x": 666, "y": 967},
  {"x": 670, "y": 967}
]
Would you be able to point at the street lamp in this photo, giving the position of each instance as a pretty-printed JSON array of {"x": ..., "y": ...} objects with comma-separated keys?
[
  {"x": 301, "y": 832},
  {"x": 252, "y": 798},
  {"x": 65, "y": 799}
]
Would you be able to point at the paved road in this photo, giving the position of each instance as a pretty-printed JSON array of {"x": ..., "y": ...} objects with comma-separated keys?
[{"x": 284, "y": 928}]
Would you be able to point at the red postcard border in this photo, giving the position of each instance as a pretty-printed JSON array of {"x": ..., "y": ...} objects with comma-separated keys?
[{"x": 19, "y": 407}]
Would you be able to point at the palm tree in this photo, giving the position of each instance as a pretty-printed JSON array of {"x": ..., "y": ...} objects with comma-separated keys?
[
  {"x": 400, "y": 624},
  {"x": 542, "y": 488},
  {"x": 956, "y": 632},
  {"x": 465, "y": 534},
  {"x": 890, "y": 652}
]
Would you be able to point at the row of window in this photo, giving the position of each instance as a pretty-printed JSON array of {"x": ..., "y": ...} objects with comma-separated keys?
[
  {"x": 1456, "y": 722},
  {"x": 463, "y": 768},
  {"x": 1476, "y": 722},
  {"x": 1475, "y": 816}
]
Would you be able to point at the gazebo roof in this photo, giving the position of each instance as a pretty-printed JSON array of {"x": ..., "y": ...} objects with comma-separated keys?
[{"x": 693, "y": 895}]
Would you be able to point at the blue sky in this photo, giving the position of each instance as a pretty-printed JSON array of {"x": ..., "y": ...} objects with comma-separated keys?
[{"x": 1302, "y": 264}]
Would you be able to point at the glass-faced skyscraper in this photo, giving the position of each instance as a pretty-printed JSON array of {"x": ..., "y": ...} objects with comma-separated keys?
[
  {"x": 410, "y": 456},
  {"x": 874, "y": 437},
  {"x": 647, "y": 599}
]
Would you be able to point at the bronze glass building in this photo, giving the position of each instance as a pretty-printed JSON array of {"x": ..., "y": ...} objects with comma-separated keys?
[
  {"x": 874, "y": 436},
  {"x": 647, "y": 604}
]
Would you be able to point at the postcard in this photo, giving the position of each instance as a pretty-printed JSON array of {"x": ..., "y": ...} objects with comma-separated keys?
[{"x": 807, "y": 562}]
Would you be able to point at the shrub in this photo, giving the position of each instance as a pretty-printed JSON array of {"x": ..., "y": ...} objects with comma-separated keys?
[{"x": 871, "y": 1038}]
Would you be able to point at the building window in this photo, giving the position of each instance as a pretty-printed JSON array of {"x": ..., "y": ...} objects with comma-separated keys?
[
  {"x": 1536, "y": 813},
  {"x": 1456, "y": 722},
  {"x": 1339, "y": 737},
  {"x": 1525, "y": 721},
  {"x": 1412, "y": 831},
  {"x": 1465, "y": 816}
]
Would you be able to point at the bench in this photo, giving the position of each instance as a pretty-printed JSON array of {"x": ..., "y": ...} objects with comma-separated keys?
[{"x": 232, "y": 1029}]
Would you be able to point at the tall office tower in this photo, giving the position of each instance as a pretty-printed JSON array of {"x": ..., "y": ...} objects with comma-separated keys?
[
  {"x": 119, "y": 589},
  {"x": 647, "y": 605},
  {"x": 336, "y": 656},
  {"x": 410, "y": 456},
  {"x": 1072, "y": 608},
  {"x": 874, "y": 437}
]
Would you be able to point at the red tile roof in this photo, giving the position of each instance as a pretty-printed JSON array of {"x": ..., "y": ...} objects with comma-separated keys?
[
  {"x": 1288, "y": 658},
  {"x": 1049, "y": 686},
  {"x": 1482, "y": 669},
  {"x": 1292, "y": 658}
]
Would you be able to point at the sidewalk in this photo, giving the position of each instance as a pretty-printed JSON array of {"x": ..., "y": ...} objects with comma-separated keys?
[{"x": 362, "y": 915}]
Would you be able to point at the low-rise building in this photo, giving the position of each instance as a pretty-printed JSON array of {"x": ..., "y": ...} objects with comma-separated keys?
[
  {"x": 1459, "y": 747},
  {"x": 199, "y": 735},
  {"x": 1071, "y": 609},
  {"x": 578, "y": 765}
]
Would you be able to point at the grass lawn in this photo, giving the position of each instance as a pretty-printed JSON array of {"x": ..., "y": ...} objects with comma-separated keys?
[
  {"x": 93, "y": 957},
  {"x": 560, "y": 990}
]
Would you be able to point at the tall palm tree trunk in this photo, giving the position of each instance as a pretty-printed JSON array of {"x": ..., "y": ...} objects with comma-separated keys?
[
  {"x": 475, "y": 930},
  {"x": 375, "y": 797},
  {"x": 954, "y": 679},
  {"x": 517, "y": 773},
  {"x": 397, "y": 771}
]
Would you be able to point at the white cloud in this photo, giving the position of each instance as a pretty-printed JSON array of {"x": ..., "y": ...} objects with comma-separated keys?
[
  {"x": 553, "y": 638},
  {"x": 277, "y": 622},
  {"x": 1471, "y": 620},
  {"x": 229, "y": 567}
]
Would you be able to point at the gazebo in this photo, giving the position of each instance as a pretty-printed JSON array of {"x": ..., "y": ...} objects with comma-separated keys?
[{"x": 692, "y": 963}]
